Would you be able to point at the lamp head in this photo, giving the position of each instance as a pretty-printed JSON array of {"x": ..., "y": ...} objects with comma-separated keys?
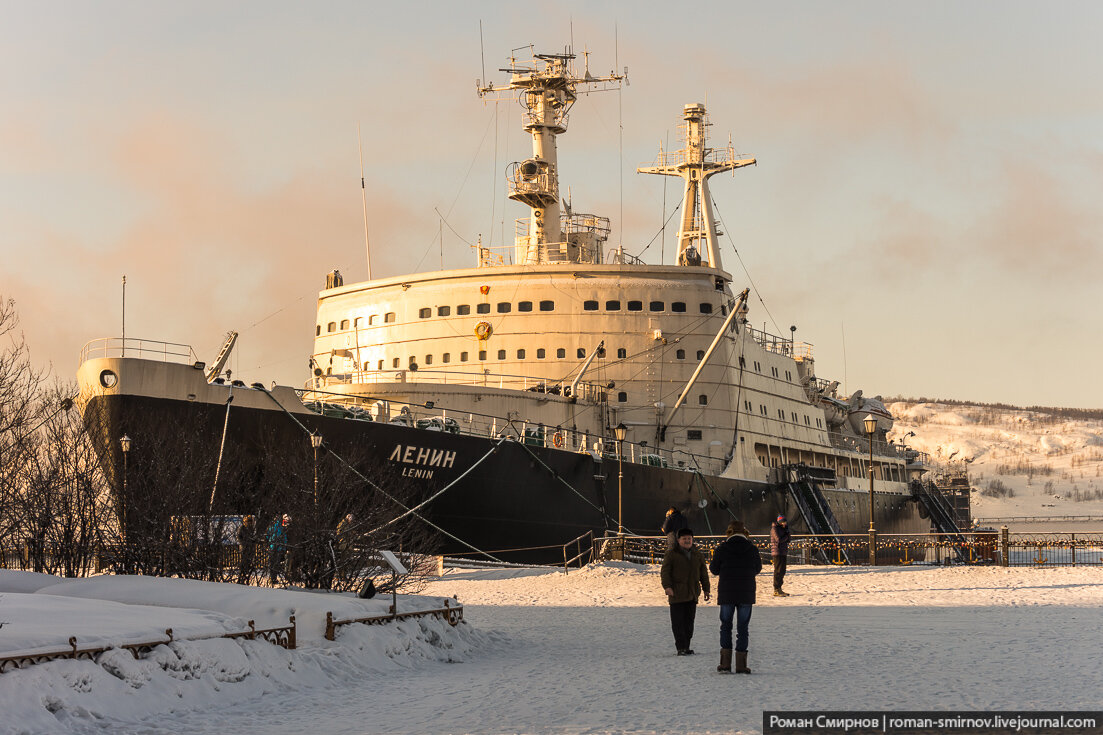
[
  {"x": 870, "y": 423},
  {"x": 620, "y": 431},
  {"x": 315, "y": 440},
  {"x": 124, "y": 442}
]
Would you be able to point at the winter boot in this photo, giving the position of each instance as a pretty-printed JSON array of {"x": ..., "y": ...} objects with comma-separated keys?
[
  {"x": 741, "y": 663},
  {"x": 780, "y": 593},
  {"x": 725, "y": 666}
]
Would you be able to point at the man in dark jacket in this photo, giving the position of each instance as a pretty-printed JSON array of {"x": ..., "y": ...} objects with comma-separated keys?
[
  {"x": 673, "y": 523},
  {"x": 684, "y": 576},
  {"x": 736, "y": 562},
  {"x": 779, "y": 553}
]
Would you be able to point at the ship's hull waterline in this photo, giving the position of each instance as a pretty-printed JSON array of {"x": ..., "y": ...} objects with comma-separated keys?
[{"x": 523, "y": 503}]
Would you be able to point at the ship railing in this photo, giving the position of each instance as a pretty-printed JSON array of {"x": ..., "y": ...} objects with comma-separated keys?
[
  {"x": 881, "y": 448},
  {"x": 540, "y": 183},
  {"x": 975, "y": 547},
  {"x": 619, "y": 256},
  {"x": 146, "y": 349},
  {"x": 586, "y": 391},
  {"x": 491, "y": 256},
  {"x": 711, "y": 155},
  {"x": 439, "y": 417},
  {"x": 772, "y": 343}
]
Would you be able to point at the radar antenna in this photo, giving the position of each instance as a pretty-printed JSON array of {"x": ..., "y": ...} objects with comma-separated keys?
[
  {"x": 547, "y": 86},
  {"x": 696, "y": 163}
]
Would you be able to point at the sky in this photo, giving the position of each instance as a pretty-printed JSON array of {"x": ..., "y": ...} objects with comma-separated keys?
[{"x": 925, "y": 208}]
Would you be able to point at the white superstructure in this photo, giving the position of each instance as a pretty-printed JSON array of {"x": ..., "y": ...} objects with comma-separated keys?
[{"x": 564, "y": 341}]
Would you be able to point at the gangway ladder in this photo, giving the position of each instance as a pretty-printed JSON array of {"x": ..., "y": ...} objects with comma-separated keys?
[
  {"x": 814, "y": 509},
  {"x": 942, "y": 515}
]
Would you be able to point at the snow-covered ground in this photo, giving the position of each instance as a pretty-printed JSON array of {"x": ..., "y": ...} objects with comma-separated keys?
[
  {"x": 1052, "y": 465},
  {"x": 588, "y": 652}
]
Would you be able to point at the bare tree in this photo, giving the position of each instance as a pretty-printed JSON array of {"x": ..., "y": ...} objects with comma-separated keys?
[{"x": 20, "y": 413}]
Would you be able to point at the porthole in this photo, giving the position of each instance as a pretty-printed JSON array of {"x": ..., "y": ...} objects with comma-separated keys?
[
  {"x": 635, "y": 306},
  {"x": 108, "y": 379}
]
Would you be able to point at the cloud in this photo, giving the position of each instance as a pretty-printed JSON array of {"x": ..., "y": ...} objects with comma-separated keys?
[{"x": 1040, "y": 225}]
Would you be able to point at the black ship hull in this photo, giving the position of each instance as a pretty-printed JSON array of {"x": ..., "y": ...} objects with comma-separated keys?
[{"x": 513, "y": 500}]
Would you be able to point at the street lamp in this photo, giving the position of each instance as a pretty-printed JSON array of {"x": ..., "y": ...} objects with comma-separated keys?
[
  {"x": 871, "y": 426},
  {"x": 315, "y": 441},
  {"x": 619, "y": 432},
  {"x": 124, "y": 443}
]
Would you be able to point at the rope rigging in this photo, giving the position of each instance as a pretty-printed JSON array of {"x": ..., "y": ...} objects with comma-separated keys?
[{"x": 379, "y": 489}]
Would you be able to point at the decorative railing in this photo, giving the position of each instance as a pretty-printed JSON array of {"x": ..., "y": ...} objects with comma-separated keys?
[
  {"x": 284, "y": 637},
  {"x": 1000, "y": 548},
  {"x": 452, "y": 614}
]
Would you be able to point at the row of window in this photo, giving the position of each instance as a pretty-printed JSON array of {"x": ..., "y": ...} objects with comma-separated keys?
[
  {"x": 677, "y": 307},
  {"x": 522, "y": 354},
  {"x": 505, "y": 307},
  {"x": 702, "y": 400},
  {"x": 773, "y": 370},
  {"x": 781, "y": 414}
]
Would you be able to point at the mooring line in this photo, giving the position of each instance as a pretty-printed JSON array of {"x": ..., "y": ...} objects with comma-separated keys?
[{"x": 372, "y": 484}]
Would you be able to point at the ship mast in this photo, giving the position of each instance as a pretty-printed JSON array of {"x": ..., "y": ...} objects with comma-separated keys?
[
  {"x": 547, "y": 87},
  {"x": 696, "y": 163}
]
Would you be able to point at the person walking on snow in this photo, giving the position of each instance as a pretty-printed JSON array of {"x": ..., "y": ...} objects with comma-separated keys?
[
  {"x": 673, "y": 523},
  {"x": 779, "y": 553},
  {"x": 684, "y": 576},
  {"x": 736, "y": 562}
]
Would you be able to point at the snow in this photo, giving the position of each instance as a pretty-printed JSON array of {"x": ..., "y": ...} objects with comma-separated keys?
[
  {"x": 540, "y": 651},
  {"x": 1053, "y": 465},
  {"x": 586, "y": 652}
]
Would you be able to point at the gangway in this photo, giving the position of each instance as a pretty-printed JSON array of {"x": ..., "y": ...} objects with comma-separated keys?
[
  {"x": 804, "y": 483},
  {"x": 942, "y": 514}
]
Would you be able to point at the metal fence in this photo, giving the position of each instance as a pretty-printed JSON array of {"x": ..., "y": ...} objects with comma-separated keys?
[{"x": 1000, "y": 548}]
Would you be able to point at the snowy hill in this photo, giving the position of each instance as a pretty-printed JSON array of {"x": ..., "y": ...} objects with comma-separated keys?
[{"x": 1021, "y": 462}]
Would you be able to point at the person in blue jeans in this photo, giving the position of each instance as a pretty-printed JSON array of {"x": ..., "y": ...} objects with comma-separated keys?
[{"x": 736, "y": 562}]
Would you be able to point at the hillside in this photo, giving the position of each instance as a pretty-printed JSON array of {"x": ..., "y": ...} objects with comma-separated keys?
[{"x": 1021, "y": 461}]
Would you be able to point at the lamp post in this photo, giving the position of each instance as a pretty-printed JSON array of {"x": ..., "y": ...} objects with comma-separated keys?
[
  {"x": 871, "y": 426},
  {"x": 124, "y": 443},
  {"x": 620, "y": 431},
  {"x": 315, "y": 441}
]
